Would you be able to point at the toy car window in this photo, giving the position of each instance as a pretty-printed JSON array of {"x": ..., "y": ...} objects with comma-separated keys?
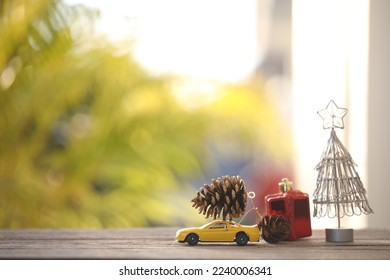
[
  {"x": 233, "y": 225},
  {"x": 216, "y": 226}
]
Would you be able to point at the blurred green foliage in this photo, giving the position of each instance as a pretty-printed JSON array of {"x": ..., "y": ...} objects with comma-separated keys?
[{"x": 90, "y": 139}]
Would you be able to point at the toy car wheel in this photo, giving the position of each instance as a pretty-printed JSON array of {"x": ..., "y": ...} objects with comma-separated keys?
[
  {"x": 242, "y": 239},
  {"x": 192, "y": 239}
]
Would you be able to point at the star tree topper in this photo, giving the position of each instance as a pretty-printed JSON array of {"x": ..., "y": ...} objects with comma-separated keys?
[{"x": 332, "y": 115}]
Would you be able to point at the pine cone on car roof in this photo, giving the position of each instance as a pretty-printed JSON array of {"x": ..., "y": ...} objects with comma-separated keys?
[{"x": 226, "y": 196}]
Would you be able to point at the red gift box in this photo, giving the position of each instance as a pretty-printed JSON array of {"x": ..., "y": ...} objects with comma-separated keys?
[{"x": 294, "y": 205}]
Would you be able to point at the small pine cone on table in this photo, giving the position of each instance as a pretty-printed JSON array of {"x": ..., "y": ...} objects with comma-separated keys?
[
  {"x": 225, "y": 196},
  {"x": 274, "y": 228}
]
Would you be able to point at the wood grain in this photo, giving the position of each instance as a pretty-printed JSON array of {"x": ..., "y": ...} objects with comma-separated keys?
[{"x": 159, "y": 243}]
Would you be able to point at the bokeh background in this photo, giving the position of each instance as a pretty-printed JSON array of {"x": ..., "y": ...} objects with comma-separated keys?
[
  {"x": 90, "y": 138},
  {"x": 113, "y": 113}
]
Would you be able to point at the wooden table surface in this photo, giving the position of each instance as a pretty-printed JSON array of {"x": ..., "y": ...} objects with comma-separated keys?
[{"x": 159, "y": 243}]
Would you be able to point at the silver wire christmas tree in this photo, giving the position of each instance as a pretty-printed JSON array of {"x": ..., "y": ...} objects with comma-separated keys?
[{"x": 339, "y": 191}]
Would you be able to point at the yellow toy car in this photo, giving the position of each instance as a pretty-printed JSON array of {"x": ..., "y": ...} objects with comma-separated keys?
[{"x": 219, "y": 231}]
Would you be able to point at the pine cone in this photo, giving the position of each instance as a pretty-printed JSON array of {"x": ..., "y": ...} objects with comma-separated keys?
[
  {"x": 225, "y": 196},
  {"x": 274, "y": 228}
]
